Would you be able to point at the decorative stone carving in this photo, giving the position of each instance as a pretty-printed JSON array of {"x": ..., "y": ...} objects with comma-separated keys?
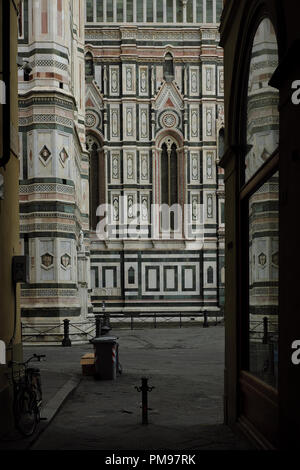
[
  {"x": 262, "y": 259},
  {"x": 116, "y": 208},
  {"x": 169, "y": 119},
  {"x": 144, "y": 167},
  {"x": 115, "y": 122},
  {"x": 81, "y": 241},
  {"x": 45, "y": 154},
  {"x": 195, "y": 167},
  {"x": 130, "y": 167},
  {"x": 145, "y": 208},
  {"x": 195, "y": 208},
  {"x": 210, "y": 207},
  {"x": 65, "y": 260},
  {"x": 63, "y": 156},
  {"x": 90, "y": 120},
  {"x": 143, "y": 80},
  {"x": 275, "y": 259},
  {"x": 114, "y": 81},
  {"x": 221, "y": 81},
  {"x": 47, "y": 260},
  {"x": 209, "y": 160},
  {"x": 115, "y": 167},
  {"x": 129, "y": 79},
  {"x": 194, "y": 123},
  {"x": 130, "y": 203},
  {"x": 209, "y": 122},
  {"x": 129, "y": 120},
  {"x": 209, "y": 79},
  {"x": 144, "y": 123}
]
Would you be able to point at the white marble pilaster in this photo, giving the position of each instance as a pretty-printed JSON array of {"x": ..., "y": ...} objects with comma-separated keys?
[
  {"x": 154, "y": 11},
  {"x": 204, "y": 11},
  {"x": 214, "y": 11},
  {"x": 115, "y": 11},
  {"x": 104, "y": 11},
  {"x": 95, "y": 11},
  {"x": 194, "y": 11},
  {"x": 124, "y": 11},
  {"x": 184, "y": 2}
]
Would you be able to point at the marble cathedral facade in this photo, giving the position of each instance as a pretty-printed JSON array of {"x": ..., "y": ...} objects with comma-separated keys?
[{"x": 123, "y": 109}]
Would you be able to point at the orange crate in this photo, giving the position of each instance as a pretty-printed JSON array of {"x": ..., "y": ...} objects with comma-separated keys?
[{"x": 88, "y": 364}]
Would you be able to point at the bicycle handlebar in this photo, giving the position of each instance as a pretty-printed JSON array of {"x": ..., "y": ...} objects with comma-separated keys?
[{"x": 35, "y": 356}]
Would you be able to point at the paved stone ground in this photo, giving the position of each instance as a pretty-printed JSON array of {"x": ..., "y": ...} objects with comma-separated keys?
[{"x": 185, "y": 366}]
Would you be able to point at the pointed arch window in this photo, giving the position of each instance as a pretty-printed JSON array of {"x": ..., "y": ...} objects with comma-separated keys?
[
  {"x": 96, "y": 179},
  {"x": 89, "y": 65},
  {"x": 131, "y": 276},
  {"x": 169, "y": 174},
  {"x": 168, "y": 68},
  {"x": 169, "y": 180}
]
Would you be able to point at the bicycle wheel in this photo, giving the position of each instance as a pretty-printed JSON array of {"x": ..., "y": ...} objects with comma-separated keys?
[{"x": 26, "y": 412}]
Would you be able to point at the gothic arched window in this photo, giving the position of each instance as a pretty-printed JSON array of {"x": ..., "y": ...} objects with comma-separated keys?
[
  {"x": 89, "y": 65},
  {"x": 131, "y": 276},
  {"x": 169, "y": 67},
  {"x": 96, "y": 179},
  {"x": 169, "y": 175},
  {"x": 169, "y": 180}
]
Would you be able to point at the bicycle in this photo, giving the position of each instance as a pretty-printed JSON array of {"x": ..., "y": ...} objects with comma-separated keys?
[{"x": 27, "y": 396}]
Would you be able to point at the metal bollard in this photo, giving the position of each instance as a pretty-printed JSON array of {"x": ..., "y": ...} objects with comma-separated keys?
[
  {"x": 144, "y": 389},
  {"x": 106, "y": 316},
  {"x": 266, "y": 333},
  {"x": 98, "y": 326},
  {"x": 66, "y": 342},
  {"x": 205, "y": 323}
]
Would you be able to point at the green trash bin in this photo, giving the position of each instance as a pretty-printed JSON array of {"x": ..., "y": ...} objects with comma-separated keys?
[{"x": 106, "y": 350}]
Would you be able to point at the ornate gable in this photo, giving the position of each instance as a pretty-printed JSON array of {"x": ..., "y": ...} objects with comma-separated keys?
[
  {"x": 168, "y": 96},
  {"x": 93, "y": 105},
  {"x": 93, "y": 96}
]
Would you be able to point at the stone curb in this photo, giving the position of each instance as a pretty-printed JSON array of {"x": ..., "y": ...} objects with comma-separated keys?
[{"x": 53, "y": 406}]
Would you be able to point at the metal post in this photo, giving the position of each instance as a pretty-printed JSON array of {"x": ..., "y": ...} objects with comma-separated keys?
[
  {"x": 144, "y": 389},
  {"x": 105, "y": 327},
  {"x": 266, "y": 334},
  {"x": 66, "y": 342},
  {"x": 131, "y": 322},
  {"x": 144, "y": 401},
  {"x": 205, "y": 323},
  {"x": 98, "y": 326},
  {"x": 180, "y": 320},
  {"x": 155, "y": 325}
]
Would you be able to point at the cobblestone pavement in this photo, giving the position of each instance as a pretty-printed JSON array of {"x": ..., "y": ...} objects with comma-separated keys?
[{"x": 185, "y": 366}]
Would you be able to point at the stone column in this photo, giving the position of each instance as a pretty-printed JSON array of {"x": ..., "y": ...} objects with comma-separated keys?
[{"x": 184, "y": 2}]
